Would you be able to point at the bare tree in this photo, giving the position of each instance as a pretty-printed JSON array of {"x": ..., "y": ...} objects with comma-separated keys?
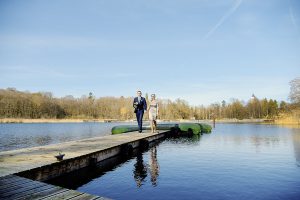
[{"x": 295, "y": 90}]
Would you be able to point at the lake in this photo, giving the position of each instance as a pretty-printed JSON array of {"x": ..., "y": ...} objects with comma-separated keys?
[
  {"x": 235, "y": 161},
  {"x": 16, "y": 136}
]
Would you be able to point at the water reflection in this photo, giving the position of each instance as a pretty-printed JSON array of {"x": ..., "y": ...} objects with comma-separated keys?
[
  {"x": 140, "y": 170},
  {"x": 154, "y": 166},
  {"x": 264, "y": 141},
  {"x": 74, "y": 180},
  {"x": 222, "y": 165},
  {"x": 187, "y": 140},
  {"x": 42, "y": 140},
  {"x": 16, "y": 136},
  {"x": 296, "y": 143}
]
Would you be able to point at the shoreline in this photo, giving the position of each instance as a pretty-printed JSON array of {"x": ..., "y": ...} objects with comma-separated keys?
[
  {"x": 283, "y": 121},
  {"x": 22, "y": 120}
]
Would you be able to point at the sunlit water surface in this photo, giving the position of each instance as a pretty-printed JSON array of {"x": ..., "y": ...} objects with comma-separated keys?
[
  {"x": 16, "y": 136},
  {"x": 236, "y": 161}
]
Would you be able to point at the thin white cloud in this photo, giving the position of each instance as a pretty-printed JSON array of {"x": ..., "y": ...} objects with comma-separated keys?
[
  {"x": 235, "y": 6},
  {"x": 292, "y": 16}
]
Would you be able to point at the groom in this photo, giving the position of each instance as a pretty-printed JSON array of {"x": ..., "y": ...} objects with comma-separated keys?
[{"x": 139, "y": 104}]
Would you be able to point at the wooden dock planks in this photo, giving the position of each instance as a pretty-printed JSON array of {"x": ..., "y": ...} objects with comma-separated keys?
[
  {"x": 13, "y": 187},
  {"x": 15, "y": 161},
  {"x": 20, "y": 188}
]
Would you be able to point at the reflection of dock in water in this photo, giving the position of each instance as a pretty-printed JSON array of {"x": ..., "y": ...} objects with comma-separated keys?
[
  {"x": 145, "y": 168},
  {"x": 141, "y": 169},
  {"x": 39, "y": 163}
]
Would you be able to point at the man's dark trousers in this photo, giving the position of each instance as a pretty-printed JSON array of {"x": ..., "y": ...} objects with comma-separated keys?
[
  {"x": 139, "y": 118},
  {"x": 139, "y": 106}
]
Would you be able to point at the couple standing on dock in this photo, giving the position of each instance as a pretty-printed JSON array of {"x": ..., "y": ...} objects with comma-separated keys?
[{"x": 140, "y": 105}]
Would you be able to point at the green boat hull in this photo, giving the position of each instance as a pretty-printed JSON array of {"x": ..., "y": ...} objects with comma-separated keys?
[
  {"x": 187, "y": 127},
  {"x": 195, "y": 128},
  {"x": 124, "y": 129},
  {"x": 205, "y": 128},
  {"x": 130, "y": 128}
]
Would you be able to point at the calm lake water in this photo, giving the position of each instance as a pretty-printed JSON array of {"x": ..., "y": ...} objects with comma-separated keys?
[
  {"x": 16, "y": 136},
  {"x": 236, "y": 161}
]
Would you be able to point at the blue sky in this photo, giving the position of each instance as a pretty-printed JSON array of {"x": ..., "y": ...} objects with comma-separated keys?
[{"x": 200, "y": 50}]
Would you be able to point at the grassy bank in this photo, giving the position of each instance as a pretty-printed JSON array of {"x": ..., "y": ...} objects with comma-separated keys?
[
  {"x": 281, "y": 120},
  {"x": 291, "y": 118}
]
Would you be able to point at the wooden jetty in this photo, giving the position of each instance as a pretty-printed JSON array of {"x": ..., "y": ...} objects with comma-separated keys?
[
  {"x": 22, "y": 170},
  {"x": 16, "y": 188}
]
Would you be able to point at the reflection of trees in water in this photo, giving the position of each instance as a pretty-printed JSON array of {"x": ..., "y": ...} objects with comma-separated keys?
[
  {"x": 141, "y": 169},
  {"x": 65, "y": 138},
  {"x": 258, "y": 141},
  {"x": 154, "y": 166},
  {"x": 296, "y": 142},
  {"x": 185, "y": 140},
  {"x": 43, "y": 140}
]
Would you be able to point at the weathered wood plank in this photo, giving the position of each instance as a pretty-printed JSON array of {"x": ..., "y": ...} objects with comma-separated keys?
[
  {"x": 17, "y": 187},
  {"x": 78, "y": 154},
  {"x": 20, "y": 189},
  {"x": 40, "y": 193},
  {"x": 62, "y": 195},
  {"x": 30, "y": 158},
  {"x": 29, "y": 192},
  {"x": 102, "y": 198},
  {"x": 14, "y": 184},
  {"x": 7, "y": 177},
  {"x": 19, "y": 182},
  {"x": 15, "y": 181},
  {"x": 7, "y": 188},
  {"x": 85, "y": 197},
  {"x": 10, "y": 179},
  {"x": 14, "y": 187}
]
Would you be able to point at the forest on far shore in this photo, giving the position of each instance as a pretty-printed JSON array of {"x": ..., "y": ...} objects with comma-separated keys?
[{"x": 19, "y": 104}]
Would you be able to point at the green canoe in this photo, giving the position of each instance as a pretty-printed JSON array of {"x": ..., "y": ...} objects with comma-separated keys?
[
  {"x": 185, "y": 127},
  {"x": 130, "y": 128},
  {"x": 124, "y": 129},
  {"x": 205, "y": 128},
  {"x": 196, "y": 128}
]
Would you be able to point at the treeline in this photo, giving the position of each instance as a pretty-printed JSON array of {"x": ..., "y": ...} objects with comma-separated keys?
[
  {"x": 237, "y": 109},
  {"x": 17, "y": 104}
]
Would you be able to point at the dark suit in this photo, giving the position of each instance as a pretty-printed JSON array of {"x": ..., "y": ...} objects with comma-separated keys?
[{"x": 139, "y": 110}]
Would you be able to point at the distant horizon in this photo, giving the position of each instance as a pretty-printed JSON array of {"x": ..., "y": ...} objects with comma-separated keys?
[
  {"x": 201, "y": 51},
  {"x": 144, "y": 94}
]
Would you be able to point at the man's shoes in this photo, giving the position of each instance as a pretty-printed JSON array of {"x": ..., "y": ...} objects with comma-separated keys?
[{"x": 140, "y": 131}]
